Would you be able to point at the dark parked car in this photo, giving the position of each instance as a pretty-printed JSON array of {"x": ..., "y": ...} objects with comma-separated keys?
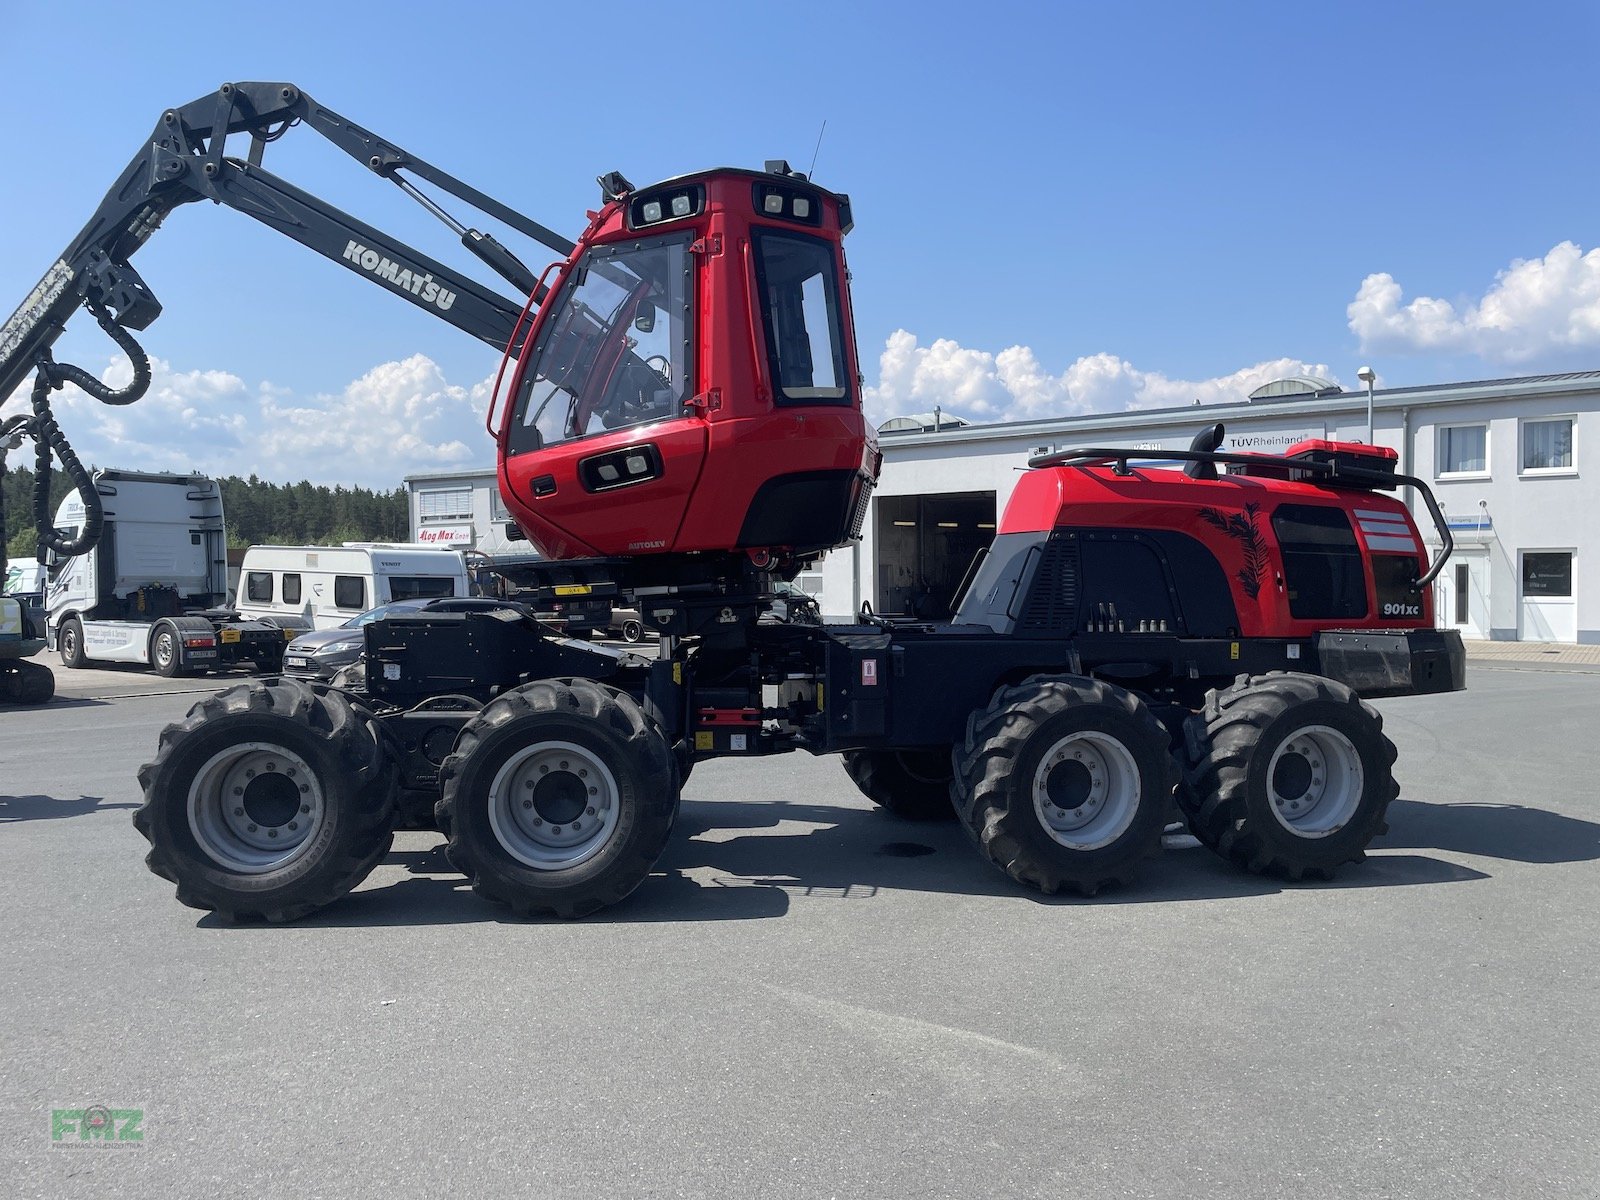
[{"x": 319, "y": 655}]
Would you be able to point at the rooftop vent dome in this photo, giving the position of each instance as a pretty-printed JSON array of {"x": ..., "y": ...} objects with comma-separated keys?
[
  {"x": 1295, "y": 385},
  {"x": 922, "y": 423}
]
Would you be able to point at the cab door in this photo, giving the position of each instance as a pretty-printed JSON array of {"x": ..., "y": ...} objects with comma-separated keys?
[{"x": 601, "y": 448}]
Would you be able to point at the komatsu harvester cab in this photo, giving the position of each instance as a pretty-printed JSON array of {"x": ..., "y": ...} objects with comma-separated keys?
[{"x": 692, "y": 384}]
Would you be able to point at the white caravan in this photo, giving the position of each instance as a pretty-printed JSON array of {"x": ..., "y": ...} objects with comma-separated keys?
[{"x": 327, "y": 585}]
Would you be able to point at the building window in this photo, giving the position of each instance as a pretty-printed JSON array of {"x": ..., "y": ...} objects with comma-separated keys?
[
  {"x": 1547, "y": 574},
  {"x": 445, "y": 504},
  {"x": 1463, "y": 450},
  {"x": 258, "y": 587},
  {"x": 291, "y": 589},
  {"x": 349, "y": 591},
  {"x": 497, "y": 506},
  {"x": 1547, "y": 445}
]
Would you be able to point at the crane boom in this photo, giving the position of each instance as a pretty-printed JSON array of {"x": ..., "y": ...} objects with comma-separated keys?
[{"x": 184, "y": 160}]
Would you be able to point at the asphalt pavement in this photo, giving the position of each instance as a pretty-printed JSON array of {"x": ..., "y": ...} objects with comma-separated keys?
[{"x": 810, "y": 998}]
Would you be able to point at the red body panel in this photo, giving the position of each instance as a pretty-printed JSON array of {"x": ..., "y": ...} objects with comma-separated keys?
[
  {"x": 1161, "y": 498},
  {"x": 729, "y": 441}
]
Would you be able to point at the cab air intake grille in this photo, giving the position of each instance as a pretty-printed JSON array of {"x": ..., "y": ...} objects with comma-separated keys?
[{"x": 1053, "y": 600}]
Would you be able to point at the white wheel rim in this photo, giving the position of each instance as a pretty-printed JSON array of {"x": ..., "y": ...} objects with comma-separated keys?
[
  {"x": 553, "y": 805},
  {"x": 1315, "y": 781},
  {"x": 164, "y": 650},
  {"x": 1086, "y": 790},
  {"x": 255, "y": 807}
]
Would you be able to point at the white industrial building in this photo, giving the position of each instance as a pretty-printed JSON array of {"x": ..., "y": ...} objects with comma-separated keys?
[
  {"x": 1504, "y": 457},
  {"x": 462, "y": 509}
]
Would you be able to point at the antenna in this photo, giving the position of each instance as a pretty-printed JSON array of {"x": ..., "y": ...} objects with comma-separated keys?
[{"x": 812, "y": 172}]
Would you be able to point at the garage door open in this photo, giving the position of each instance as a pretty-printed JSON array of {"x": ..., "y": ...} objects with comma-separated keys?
[{"x": 925, "y": 545}]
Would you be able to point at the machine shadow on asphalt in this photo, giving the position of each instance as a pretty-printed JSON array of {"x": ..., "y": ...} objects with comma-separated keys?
[
  {"x": 750, "y": 869},
  {"x": 1506, "y": 831},
  {"x": 48, "y": 808}
]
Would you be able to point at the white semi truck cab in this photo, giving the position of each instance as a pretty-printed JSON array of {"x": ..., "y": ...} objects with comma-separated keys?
[{"x": 152, "y": 590}]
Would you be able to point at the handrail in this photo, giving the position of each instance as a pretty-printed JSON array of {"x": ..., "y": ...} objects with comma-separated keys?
[{"x": 1334, "y": 472}]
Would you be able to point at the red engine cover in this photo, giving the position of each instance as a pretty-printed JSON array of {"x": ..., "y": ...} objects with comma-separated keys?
[{"x": 1233, "y": 517}]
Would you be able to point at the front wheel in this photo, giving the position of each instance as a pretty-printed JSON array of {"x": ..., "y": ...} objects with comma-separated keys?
[
  {"x": 1064, "y": 782},
  {"x": 1287, "y": 774},
  {"x": 558, "y": 798},
  {"x": 267, "y": 800},
  {"x": 632, "y": 631},
  {"x": 71, "y": 643},
  {"x": 26, "y": 683}
]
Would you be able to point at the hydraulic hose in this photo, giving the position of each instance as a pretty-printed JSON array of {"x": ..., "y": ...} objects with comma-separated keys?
[{"x": 50, "y": 442}]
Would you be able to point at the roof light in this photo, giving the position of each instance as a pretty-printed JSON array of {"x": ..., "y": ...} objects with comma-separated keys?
[
  {"x": 802, "y": 207},
  {"x": 680, "y": 206},
  {"x": 773, "y": 203},
  {"x": 652, "y": 210}
]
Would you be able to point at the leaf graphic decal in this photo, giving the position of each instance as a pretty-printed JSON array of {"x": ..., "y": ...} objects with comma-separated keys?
[{"x": 1242, "y": 528}]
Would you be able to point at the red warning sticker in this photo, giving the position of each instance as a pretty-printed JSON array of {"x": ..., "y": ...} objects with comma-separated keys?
[{"x": 869, "y": 672}]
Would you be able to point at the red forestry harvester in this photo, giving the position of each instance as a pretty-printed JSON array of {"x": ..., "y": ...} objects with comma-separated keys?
[{"x": 680, "y": 430}]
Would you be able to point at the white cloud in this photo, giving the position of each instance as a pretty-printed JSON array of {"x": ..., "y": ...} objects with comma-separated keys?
[
  {"x": 404, "y": 417},
  {"x": 1012, "y": 385},
  {"x": 1534, "y": 307},
  {"x": 397, "y": 418}
]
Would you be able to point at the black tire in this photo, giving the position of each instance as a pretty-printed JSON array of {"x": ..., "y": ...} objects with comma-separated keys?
[
  {"x": 166, "y": 654},
  {"x": 527, "y": 867},
  {"x": 70, "y": 640},
  {"x": 1013, "y": 780},
  {"x": 36, "y": 683},
  {"x": 347, "y": 779},
  {"x": 914, "y": 784},
  {"x": 1231, "y": 789},
  {"x": 632, "y": 631}
]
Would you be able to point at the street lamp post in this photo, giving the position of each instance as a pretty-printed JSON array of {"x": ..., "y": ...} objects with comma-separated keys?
[{"x": 1367, "y": 375}]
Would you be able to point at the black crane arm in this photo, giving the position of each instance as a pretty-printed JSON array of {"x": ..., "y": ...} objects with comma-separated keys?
[{"x": 184, "y": 160}]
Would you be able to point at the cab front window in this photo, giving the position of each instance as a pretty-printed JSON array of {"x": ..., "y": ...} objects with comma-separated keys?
[{"x": 615, "y": 351}]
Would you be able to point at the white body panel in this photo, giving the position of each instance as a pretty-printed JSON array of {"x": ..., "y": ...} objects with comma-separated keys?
[
  {"x": 117, "y": 641},
  {"x": 328, "y": 585}
]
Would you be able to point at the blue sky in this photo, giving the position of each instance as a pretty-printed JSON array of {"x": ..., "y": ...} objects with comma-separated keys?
[{"x": 1059, "y": 208}]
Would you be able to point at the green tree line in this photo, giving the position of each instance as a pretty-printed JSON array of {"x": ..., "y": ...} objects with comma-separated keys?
[{"x": 293, "y": 514}]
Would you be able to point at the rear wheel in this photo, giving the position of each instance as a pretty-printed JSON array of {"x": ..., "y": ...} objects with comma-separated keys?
[
  {"x": 1064, "y": 782},
  {"x": 164, "y": 652},
  {"x": 1287, "y": 774},
  {"x": 632, "y": 631},
  {"x": 914, "y": 784},
  {"x": 267, "y": 800},
  {"x": 71, "y": 643},
  {"x": 558, "y": 798}
]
